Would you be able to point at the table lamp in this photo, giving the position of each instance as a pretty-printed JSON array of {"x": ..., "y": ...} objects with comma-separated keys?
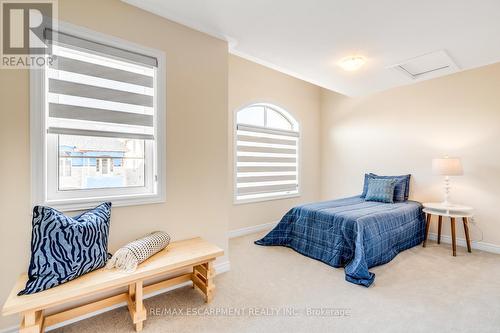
[{"x": 447, "y": 166}]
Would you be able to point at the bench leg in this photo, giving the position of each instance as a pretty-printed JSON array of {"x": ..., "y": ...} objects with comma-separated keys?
[
  {"x": 32, "y": 322},
  {"x": 203, "y": 279},
  {"x": 192, "y": 277},
  {"x": 210, "y": 282},
  {"x": 131, "y": 290},
  {"x": 135, "y": 305}
]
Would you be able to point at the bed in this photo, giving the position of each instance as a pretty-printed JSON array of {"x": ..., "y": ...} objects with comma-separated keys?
[{"x": 350, "y": 233}]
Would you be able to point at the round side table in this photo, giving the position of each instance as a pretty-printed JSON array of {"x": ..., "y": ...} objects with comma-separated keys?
[{"x": 453, "y": 212}]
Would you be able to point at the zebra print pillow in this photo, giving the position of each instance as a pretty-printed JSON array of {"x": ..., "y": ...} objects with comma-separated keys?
[{"x": 63, "y": 248}]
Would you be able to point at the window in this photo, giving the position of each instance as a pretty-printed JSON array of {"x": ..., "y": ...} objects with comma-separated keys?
[
  {"x": 98, "y": 122},
  {"x": 266, "y": 154}
]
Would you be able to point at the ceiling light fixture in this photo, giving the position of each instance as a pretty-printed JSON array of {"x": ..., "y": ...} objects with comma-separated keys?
[{"x": 352, "y": 63}]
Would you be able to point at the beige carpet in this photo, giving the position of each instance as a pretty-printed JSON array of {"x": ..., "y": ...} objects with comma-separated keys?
[{"x": 272, "y": 289}]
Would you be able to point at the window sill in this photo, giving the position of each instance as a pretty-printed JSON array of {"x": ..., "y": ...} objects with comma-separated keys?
[
  {"x": 117, "y": 201},
  {"x": 249, "y": 201}
]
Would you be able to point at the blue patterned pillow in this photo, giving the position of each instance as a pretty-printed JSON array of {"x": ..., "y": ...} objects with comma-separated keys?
[
  {"x": 365, "y": 183},
  {"x": 381, "y": 190},
  {"x": 63, "y": 248},
  {"x": 401, "y": 191}
]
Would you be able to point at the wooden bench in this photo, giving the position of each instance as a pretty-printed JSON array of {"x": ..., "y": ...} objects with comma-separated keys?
[{"x": 195, "y": 253}]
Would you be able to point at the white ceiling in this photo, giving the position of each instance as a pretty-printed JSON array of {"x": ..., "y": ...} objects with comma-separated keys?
[{"x": 306, "y": 38}]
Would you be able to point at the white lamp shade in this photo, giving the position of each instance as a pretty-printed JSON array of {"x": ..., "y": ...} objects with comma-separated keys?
[{"x": 447, "y": 166}]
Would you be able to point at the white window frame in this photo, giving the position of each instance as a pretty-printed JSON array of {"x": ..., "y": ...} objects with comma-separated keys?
[
  {"x": 44, "y": 147},
  {"x": 294, "y": 122}
]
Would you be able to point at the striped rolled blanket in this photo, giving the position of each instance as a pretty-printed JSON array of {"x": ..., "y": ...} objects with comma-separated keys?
[{"x": 129, "y": 256}]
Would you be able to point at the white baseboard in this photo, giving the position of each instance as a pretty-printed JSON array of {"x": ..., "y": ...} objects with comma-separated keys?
[
  {"x": 461, "y": 242},
  {"x": 219, "y": 268},
  {"x": 483, "y": 246},
  {"x": 251, "y": 230},
  {"x": 222, "y": 267}
]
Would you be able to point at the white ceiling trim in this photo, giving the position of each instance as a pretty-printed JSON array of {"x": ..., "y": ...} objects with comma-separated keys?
[
  {"x": 276, "y": 67},
  {"x": 306, "y": 39},
  {"x": 175, "y": 18},
  {"x": 232, "y": 42}
]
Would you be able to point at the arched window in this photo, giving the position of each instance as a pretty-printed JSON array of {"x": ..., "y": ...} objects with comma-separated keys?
[{"x": 266, "y": 154}]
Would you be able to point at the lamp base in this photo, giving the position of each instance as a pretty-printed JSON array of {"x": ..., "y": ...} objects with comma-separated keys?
[{"x": 447, "y": 187}]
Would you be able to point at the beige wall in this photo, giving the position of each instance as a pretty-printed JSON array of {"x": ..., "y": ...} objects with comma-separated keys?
[
  {"x": 399, "y": 131},
  {"x": 196, "y": 138},
  {"x": 250, "y": 83},
  {"x": 392, "y": 132}
]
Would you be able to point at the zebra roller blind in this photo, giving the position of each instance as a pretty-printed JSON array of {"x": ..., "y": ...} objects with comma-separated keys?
[
  {"x": 99, "y": 90},
  {"x": 266, "y": 162}
]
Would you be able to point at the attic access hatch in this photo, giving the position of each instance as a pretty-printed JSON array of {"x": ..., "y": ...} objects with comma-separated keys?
[{"x": 427, "y": 66}]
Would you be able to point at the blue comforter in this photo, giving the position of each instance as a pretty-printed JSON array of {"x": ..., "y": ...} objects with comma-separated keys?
[{"x": 350, "y": 233}]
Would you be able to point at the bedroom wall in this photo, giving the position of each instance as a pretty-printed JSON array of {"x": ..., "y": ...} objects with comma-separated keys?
[
  {"x": 196, "y": 138},
  {"x": 399, "y": 131},
  {"x": 250, "y": 83}
]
